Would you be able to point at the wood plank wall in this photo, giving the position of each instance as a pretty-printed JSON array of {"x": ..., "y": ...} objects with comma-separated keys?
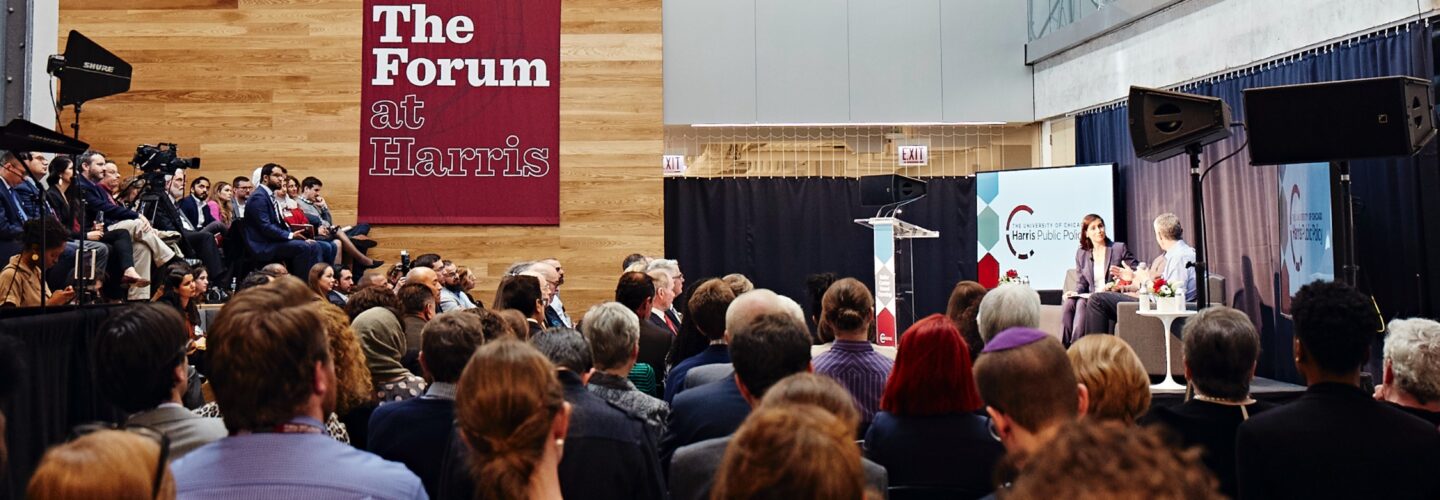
[{"x": 244, "y": 82}]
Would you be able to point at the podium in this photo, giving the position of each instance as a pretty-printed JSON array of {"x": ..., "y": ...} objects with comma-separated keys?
[{"x": 886, "y": 231}]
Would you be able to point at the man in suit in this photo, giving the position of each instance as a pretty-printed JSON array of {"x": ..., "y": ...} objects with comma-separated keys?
[
  {"x": 242, "y": 188},
  {"x": 149, "y": 249},
  {"x": 141, "y": 366},
  {"x": 1412, "y": 368},
  {"x": 708, "y": 309},
  {"x": 1174, "y": 266},
  {"x": 767, "y": 346},
  {"x": 193, "y": 207},
  {"x": 344, "y": 285},
  {"x": 12, "y": 212},
  {"x": 664, "y": 298},
  {"x": 636, "y": 291},
  {"x": 195, "y": 241},
  {"x": 35, "y": 166},
  {"x": 1336, "y": 441},
  {"x": 266, "y": 231},
  {"x": 555, "y": 308}
]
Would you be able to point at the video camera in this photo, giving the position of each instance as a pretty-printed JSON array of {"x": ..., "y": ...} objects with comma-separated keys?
[{"x": 162, "y": 158}]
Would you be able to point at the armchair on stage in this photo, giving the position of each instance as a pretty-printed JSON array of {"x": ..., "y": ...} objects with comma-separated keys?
[{"x": 886, "y": 230}]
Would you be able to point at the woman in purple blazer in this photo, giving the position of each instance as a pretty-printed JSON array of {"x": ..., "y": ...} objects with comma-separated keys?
[{"x": 1092, "y": 263}]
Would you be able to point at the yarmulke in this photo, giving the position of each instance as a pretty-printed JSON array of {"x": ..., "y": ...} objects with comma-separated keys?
[{"x": 1014, "y": 337}]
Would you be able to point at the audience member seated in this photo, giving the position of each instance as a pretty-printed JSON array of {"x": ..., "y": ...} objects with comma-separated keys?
[
  {"x": 112, "y": 464},
  {"x": 452, "y": 296},
  {"x": 1009, "y": 305},
  {"x": 1136, "y": 464},
  {"x": 31, "y": 169},
  {"x": 417, "y": 306},
  {"x": 516, "y": 322},
  {"x": 195, "y": 241},
  {"x": 276, "y": 269},
  {"x": 928, "y": 434},
  {"x": 177, "y": 290},
  {"x": 1094, "y": 259},
  {"x": 738, "y": 283},
  {"x": 614, "y": 336},
  {"x": 321, "y": 279},
  {"x": 494, "y": 326},
  {"x": 63, "y": 197},
  {"x": 608, "y": 452},
  {"x": 266, "y": 231},
  {"x": 366, "y": 298},
  {"x": 273, "y": 373},
  {"x": 636, "y": 291},
  {"x": 768, "y": 341},
  {"x": 963, "y": 308},
  {"x": 1412, "y": 368},
  {"x": 512, "y": 417},
  {"x": 677, "y": 285},
  {"x": 1314, "y": 446},
  {"x": 315, "y": 207},
  {"x": 555, "y": 308},
  {"x": 22, "y": 283},
  {"x": 192, "y": 207},
  {"x": 337, "y": 246},
  {"x": 1029, "y": 390},
  {"x": 801, "y": 452},
  {"x": 383, "y": 340},
  {"x": 1118, "y": 386},
  {"x": 344, "y": 286},
  {"x": 355, "y": 397},
  {"x": 692, "y": 474},
  {"x": 708, "y": 309},
  {"x": 1221, "y": 349},
  {"x": 1174, "y": 266},
  {"x": 12, "y": 212},
  {"x": 416, "y": 432},
  {"x": 847, "y": 310},
  {"x": 140, "y": 367},
  {"x": 221, "y": 205},
  {"x": 522, "y": 294},
  {"x": 243, "y": 187},
  {"x": 815, "y": 287},
  {"x": 664, "y": 299}
]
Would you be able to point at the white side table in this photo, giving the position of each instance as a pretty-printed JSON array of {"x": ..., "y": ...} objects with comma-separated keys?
[{"x": 1167, "y": 317}]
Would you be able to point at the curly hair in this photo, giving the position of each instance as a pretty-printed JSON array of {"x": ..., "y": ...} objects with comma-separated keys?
[
  {"x": 1335, "y": 325},
  {"x": 352, "y": 376},
  {"x": 370, "y": 297},
  {"x": 1090, "y": 459},
  {"x": 1119, "y": 387}
]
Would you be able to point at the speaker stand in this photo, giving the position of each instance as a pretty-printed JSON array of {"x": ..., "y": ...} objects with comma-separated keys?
[
  {"x": 1197, "y": 201},
  {"x": 1345, "y": 228}
]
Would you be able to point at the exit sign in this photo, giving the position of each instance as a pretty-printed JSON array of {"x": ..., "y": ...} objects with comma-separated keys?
[
  {"x": 914, "y": 156},
  {"x": 674, "y": 165}
]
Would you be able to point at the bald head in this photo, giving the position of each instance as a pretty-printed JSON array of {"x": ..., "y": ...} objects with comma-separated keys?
[
  {"x": 751, "y": 305},
  {"x": 424, "y": 276}
]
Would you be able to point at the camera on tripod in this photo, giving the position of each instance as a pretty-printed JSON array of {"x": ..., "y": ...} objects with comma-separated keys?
[{"x": 157, "y": 163}]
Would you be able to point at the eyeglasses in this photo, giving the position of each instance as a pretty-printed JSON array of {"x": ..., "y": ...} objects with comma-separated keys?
[
  {"x": 147, "y": 432},
  {"x": 990, "y": 425}
]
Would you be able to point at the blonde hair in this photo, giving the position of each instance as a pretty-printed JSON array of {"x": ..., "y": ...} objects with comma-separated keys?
[
  {"x": 106, "y": 464},
  {"x": 1118, "y": 385}
]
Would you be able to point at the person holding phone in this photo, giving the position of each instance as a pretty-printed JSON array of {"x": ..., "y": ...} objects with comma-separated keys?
[
  {"x": 1093, "y": 262},
  {"x": 21, "y": 282}
]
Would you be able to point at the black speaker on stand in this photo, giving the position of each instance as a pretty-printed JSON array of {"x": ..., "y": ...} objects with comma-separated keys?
[{"x": 1164, "y": 124}]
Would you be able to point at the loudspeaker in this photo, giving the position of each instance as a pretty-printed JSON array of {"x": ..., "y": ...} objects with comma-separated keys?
[
  {"x": 1344, "y": 120},
  {"x": 887, "y": 189},
  {"x": 1164, "y": 123}
]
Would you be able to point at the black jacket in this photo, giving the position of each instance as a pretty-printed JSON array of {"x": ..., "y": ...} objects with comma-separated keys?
[{"x": 1211, "y": 427}]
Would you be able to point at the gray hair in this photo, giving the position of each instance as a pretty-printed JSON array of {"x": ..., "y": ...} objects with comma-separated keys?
[
  {"x": 1221, "y": 348},
  {"x": 517, "y": 268},
  {"x": 1413, "y": 350},
  {"x": 1008, "y": 305},
  {"x": 754, "y": 303},
  {"x": 566, "y": 348},
  {"x": 613, "y": 332},
  {"x": 663, "y": 279},
  {"x": 671, "y": 266},
  {"x": 1168, "y": 226}
]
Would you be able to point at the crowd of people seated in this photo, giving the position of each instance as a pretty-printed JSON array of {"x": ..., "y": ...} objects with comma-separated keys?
[
  {"x": 404, "y": 384},
  {"x": 120, "y": 239}
]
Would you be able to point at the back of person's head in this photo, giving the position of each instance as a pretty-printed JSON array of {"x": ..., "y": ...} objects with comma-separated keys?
[
  {"x": 631, "y": 260},
  {"x": 791, "y": 453},
  {"x": 566, "y": 348},
  {"x": 962, "y": 309},
  {"x": 670, "y": 266},
  {"x": 767, "y": 349},
  {"x": 45, "y": 230},
  {"x": 1412, "y": 356},
  {"x": 1025, "y": 375},
  {"x": 1008, "y": 305},
  {"x": 520, "y": 293},
  {"x": 353, "y": 385},
  {"x": 1221, "y": 349},
  {"x": 1094, "y": 460},
  {"x": 276, "y": 269},
  {"x": 634, "y": 288},
  {"x": 757, "y": 302},
  {"x": 368, "y": 298},
  {"x": 847, "y": 307},
  {"x": 707, "y": 307},
  {"x": 506, "y": 407},
  {"x": 254, "y": 279},
  {"x": 1167, "y": 226},
  {"x": 491, "y": 324},
  {"x": 1335, "y": 325},
  {"x": 613, "y": 332},
  {"x": 815, "y": 390},
  {"x": 425, "y": 260},
  {"x": 415, "y": 298},
  {"x": 932, "y": 373},
  {"x": 738, "y": 283},
  {"x": 105, "y": 464},
  {"x": 1118, "y": 385},
  {"x": 515, "y": 321},
  {"x": 663, "y": 280},
  {"x": 136, "y": 354},
  {"x": 448, "y": 342},
  {"x": 815, "y": 287},
  {"x": 265, "y": 347}
]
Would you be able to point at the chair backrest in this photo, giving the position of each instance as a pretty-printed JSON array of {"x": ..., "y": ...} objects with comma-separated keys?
[
  {"x": 1217, "y": 290},
  {"x": 1071, "y": 277}
]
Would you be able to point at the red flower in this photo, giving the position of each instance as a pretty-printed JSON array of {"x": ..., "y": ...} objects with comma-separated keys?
[
  {"x": 1159, "y": 282},
  {"x": 1012, "y": 274}
]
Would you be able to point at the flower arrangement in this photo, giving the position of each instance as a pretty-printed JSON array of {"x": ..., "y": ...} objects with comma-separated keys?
[
  {"x": 1011, "y": 276},
  {"x": 1162, "y": 289}
]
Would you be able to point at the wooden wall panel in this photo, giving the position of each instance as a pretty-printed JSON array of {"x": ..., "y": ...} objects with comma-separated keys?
[{"x": 244, "y": 82}]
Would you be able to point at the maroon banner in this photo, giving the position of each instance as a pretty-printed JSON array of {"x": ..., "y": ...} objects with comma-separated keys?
[{"x": 460, "y": 112}]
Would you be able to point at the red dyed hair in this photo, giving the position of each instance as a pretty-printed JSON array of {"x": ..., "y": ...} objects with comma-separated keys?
[{"x": 932, "y": 374}]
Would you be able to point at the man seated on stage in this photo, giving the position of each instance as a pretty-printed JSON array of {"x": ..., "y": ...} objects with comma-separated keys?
[
  {"x": 1174, "y": 266},
  {"x": 266, "y": 231}
]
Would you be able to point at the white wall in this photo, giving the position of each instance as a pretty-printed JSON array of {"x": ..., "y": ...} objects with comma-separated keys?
[
  {"x": 1196, "y": 38},
  {"x": 43, "y": 39}
]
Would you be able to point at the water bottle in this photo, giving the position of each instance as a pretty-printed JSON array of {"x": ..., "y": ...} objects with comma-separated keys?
[{"x": 1145, "y": 298}]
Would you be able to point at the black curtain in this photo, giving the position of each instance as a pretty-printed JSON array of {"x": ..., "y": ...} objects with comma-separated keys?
[
  {"x": 778, "y": 231},
  {"x": 1241, "y": 201}
]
